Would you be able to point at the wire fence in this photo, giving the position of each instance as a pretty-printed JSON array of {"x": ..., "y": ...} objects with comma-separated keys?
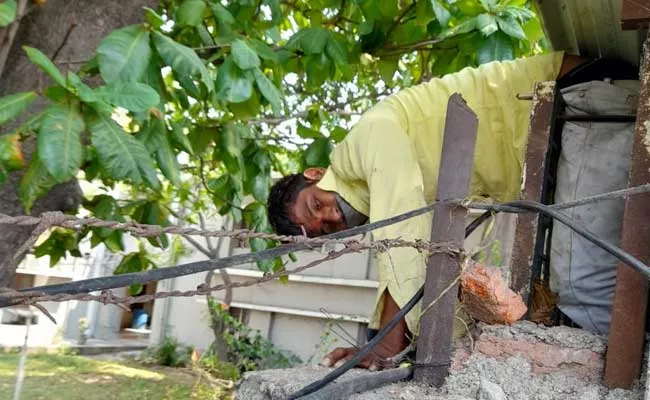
[{"x": 81, "y": 290}]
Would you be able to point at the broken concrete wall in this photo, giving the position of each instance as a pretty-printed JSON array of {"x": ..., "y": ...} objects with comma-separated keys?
[{"x": 520, "y": 362}]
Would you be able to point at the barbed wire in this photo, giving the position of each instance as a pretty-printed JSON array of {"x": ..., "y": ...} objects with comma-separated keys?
[
  {"x": 107, "y": 297},
  {"x": 59, "y": 219},
  {"x": 84, "y": 287}
]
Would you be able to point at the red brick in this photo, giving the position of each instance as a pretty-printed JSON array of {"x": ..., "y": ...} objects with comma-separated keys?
[{"x": 544, "y": 358}]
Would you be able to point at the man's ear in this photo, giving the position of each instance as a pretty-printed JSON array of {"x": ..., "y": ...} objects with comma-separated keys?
[{"x": 314, "y": 174}]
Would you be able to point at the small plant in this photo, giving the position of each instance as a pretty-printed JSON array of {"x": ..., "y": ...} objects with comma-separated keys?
[
  {"x": 248, "y": 349},
  {"x": 212, "y": 364},
  {"x": 83, "y": 331},
  {"x": 169, "y": 353},
  {"x": 65, "y": 350}
]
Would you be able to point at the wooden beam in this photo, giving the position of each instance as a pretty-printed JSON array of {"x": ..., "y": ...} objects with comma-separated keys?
[
  {"x": 627, "y": 332},
  {"x": 635, "y": 14},
  {"x": 434, "y": 343},
  {"x": 536, "y": 165}
]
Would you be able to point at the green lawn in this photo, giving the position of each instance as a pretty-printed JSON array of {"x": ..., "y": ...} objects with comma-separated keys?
[{"x": 65, "y": 377}]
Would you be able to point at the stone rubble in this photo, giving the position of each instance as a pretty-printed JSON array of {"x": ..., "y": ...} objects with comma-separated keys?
[{"x": 524, "y": 361}]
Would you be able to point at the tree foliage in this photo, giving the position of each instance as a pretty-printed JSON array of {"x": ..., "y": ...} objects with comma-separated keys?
[{"x": 204, "y": 101}]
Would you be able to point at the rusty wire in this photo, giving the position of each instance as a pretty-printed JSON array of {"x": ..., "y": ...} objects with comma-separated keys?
[
  {"x": 32, "y": 297},
  {"x": 57, "y": 219}
]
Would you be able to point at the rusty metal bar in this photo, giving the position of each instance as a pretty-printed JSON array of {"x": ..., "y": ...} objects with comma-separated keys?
[
  {"x": 635, "y": 14},
  {"x": 536, "y": 166},
  {"x": 434, "y": 343},
  {"x": 625, "y": 345}
]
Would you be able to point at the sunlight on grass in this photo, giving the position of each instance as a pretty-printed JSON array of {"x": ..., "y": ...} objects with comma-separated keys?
[
  {"x": 63, "y": 377},
  {"x": 123, "y": 370}
]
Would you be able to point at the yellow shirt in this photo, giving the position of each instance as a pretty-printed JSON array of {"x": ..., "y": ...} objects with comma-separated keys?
[{"x": 388, "y": 164}]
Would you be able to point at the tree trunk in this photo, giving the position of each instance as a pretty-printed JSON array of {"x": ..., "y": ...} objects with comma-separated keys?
[{"x": 66, "y": 30}]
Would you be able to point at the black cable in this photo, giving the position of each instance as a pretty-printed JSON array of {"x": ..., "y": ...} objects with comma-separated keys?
[
  {"x": 351, "y": 363},
  {"x": 617, "y": 252},
  {"x": 519, "y": 205}
]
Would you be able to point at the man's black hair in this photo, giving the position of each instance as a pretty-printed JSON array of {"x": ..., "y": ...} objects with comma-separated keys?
[{"x": 282, "y": 197}]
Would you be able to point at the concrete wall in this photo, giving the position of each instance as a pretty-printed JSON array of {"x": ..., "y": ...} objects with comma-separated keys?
[{"x": 103, "y": 320}]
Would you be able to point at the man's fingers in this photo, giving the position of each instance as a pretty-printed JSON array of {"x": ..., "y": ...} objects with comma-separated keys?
[
  {"x": 344, "y": 360},
  {"x": 335, "y": 355}
]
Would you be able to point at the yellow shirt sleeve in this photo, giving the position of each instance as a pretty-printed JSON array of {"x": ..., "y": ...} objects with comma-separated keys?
[{"x": 380, "y": 156}]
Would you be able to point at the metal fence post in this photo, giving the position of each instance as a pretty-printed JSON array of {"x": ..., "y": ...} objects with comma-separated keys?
[{"x": 434, "y": 342}]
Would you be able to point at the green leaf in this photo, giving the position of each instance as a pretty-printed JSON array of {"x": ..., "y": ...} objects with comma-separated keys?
[
  {"x": 11, "y": 154},
  {"x": 469, "y": 8},
  {"x": 533, "y": 30},
  {"x": 152, "y": 213},
  {"x": 308, "y": 133},
  {"x": 244, "y": 56},
  {"x": 124, "y": 54},
  {"x": 11, "y": 106},
  {"x": 136, "y": 289},
  {"x": 59, "y": 141},
  {"x": 260, "y": 187},
  {"x": 319, "y": 68},
  {"x": 387, "y": 68},
  {"x": 152, "y": 134},
  {"x": 487, "y": 24},
  {"x": 442, "y": 14},
  {"x": 7, "y": 12},
  {"x": 153, "y": 18},
  {"x": 310, "y": 40},
  {"x": 519, "y": 13},
  {"x": 336, "y": 50},
  {"x": 130, "y": 263},
  {"x": 168, "y": 162},
  {"x": 276, "y": 11},
  {"x": 511, "y": 27},
  {"x": 495, "y": 48},
  {"x": 190, "y": 13},
  {"x": 83, "y": 91},
  {"x": 464, "y": 27},
  {"x": 222, "y": 13},
  {"x": 269, "y": 91},
  {"x": 180, "y": 138},
  {"x": 44, "y": 63},
  {"x": 233, "y": 85},
  {"x": 338, "y": 134},
  {"x": 120, "y": 154},
  {"x": 264, "y": 50},
  {"x": 200, "y": 137},
  {"x": 317, "y": 154},
  {"x": 182, "y": 59},
  {"x": 35, "y": 183},
  {"x": 133, "y": 96},
  {"x": 488, "y": 5},
  {"x": 443, "y": 62}
]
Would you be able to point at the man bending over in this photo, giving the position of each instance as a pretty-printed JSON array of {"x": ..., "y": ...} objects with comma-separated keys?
[{"x": 388, "y": 165}]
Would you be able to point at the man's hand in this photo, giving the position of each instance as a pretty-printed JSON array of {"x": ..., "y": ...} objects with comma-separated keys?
[{"x": 392, "y": 344}]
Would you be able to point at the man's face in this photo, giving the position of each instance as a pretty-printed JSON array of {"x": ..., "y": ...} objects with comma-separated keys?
[{"x": 316, "y": 210}]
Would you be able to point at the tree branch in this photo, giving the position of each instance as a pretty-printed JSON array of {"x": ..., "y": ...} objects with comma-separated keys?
[
  {"x": 278, "y": 121},
  {"x": 9, "y": 34},
  {"x": 396, "y": 23}
]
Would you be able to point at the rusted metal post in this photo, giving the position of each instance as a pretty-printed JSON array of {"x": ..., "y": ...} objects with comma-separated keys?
[
  {"x": 536, "y": 164},
  {"x": 434, "y": 343},
  {"x": 626, "y": 337}
]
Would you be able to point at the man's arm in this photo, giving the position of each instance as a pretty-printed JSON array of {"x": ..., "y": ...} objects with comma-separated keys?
[
  {"x": 378, "y": 152},
  {"x": 393, "y": 343}
]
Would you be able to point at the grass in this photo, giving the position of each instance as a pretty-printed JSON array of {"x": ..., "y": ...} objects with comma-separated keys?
[{"x": 69, "y": 377}]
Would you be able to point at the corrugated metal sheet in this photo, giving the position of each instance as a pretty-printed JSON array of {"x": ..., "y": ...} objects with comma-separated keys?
[{"x": 590, "y": 28}]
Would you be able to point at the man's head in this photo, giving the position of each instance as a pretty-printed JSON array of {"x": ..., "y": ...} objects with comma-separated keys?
[{"x": 296, "y": 203}]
